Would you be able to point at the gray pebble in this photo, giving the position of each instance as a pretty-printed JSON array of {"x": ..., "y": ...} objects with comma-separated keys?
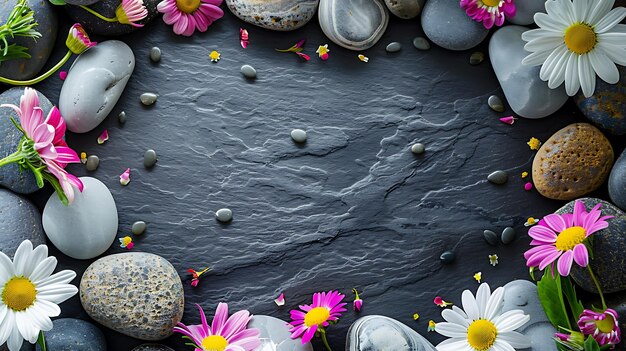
[
  {"x": 155, "y": 54},
  {"x": 418, "y": 148},
  {"x": 224, "y": 215},
  {"x": 248, "y": 71},
  {"x": 495, "y": 103},
  {"x": 148, "y": 98},
  {"x": 498, "y": 177},
  {"x": 477, "y": 58},
  {"x": 150, "y": 158},
  {"x": 491, "y": 237},
  {"x": 92, "y": 163},
  {"x": 122, "y": 117},
  {"x": 421, "y": 43},
  {"x": 138, "y": 227},
  {"x": 447, "y": 257},
  {"x": 394, "y": 47},
  {"x": 508, "y": 235},
  {"x": 298, "y": 135}
]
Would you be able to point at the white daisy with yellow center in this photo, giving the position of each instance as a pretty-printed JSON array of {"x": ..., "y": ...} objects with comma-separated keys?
[
  {"x": 481, "y": 325},
  {"x": 30, "y": 294},
  {"x": 576, "y": 40}
]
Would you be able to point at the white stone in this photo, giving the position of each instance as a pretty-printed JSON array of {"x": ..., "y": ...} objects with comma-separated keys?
[
  {"x": 275, "y": 335},
  {"x": 374, "y": 333},
  {"x": 87, "y": 227}
]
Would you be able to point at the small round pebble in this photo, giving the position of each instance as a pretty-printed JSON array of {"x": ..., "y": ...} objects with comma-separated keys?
[
  {"x": 447, "y": 257},
  {"x": 224, "y": 215},
  {"x": 148, "y": 98},
  {"x": 248, "y": 71},
  {"x": 498, "y": 177},
  {"x": 92, "y": 163},
  {"x": 495, "y": 103},
  {"x": 150, "y": 158},
  {"x": 490, "y": 237},
  {"x": 508, "y": 235},
  {"x": 138, "y": 227},
  {"x": 477, "y": 58},
  {"x": 122, "y": 117},
  {"x": 155, "y": 54},
  {"x": 394, "y": 47},
  {"x": 298, "y": 135},
  {"x": 421, "y": 43},
  {"x": 418, "y": 148}
]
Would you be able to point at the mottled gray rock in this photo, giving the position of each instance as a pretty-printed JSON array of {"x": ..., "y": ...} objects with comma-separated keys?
[
  {"x": 508, "y": 235},
  {"x": 70, "y": 334},
  {"x": 248, "y": 71},
  {"x": 275, "y": 335},
  {"x": 447, "y": 257},
  {"x": 282, "y": 15},
  {"x": 354, "y": 24},
  {"x": 617, "y": 182},
  {"x": 94, "y": 83},
  {"x": 224, "y": 215},
  {"x": 149, "y": 158},
  {"x": 606, "y": 107},
  {"x": 477, "y": 58},
  {"x": 421, "y": 43},
  {"x": 148, "y": 99},
  {"x": 374, "y": 333},
  {"x": 136, "y": 294},
  {"x": 418, "y": 148},
  {"x": 87, "y": 227},
  {"x": 152, "y": 347},
  {"x": 155, "y": 54},
  {"x": 138, "y": 227},
  {"x": 495, "y": 103},
  {"x": 19, "y": 220},
  {"x": 405, "y": 9},
  {"x": 490, "y": 237},
  {"x": 446, "y": 24},
  {"x": 10, "y": 175},
  {"x": 526, "y": 11},
  {"x": 298, "y": 135},
  {"x": 93, "y": 162},
  {"x": 498, "y": 177},
  {"x": 94, "y": 25},
  {"x": 393, "y": 47},
  {"x": 40, "y": 49},
  {"x": 26, "y": 346},
  {"x": 526, "y": 93}
]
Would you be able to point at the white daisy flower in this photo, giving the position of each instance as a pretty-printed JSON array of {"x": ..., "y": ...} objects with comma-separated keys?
[
  {"x": 576, "y": 40},
  {"x": 482, "y": 326},
  {"x": 30, "y": 294}
]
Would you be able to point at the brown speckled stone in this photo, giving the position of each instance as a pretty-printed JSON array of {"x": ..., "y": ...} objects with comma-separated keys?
[
  {"x": 575, "y": 161},
  {"x": 282, "y": 15},
  {"x": 137, "y": 294}
]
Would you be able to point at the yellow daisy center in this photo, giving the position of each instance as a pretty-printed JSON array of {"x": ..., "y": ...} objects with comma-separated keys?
[
  {"x": 570, "y": 237},
  {"x": 19, "y": 293},
  {"x": 491, "y": 3},
  {"x": 214, "y": 343},
  {"x": 580, "y": 38},
  {"x": 316, "y": 316},
  {"x": 188, "y": 6},
  {"x": 481, "y": 334},
  {"x": 606, "y": 325}
]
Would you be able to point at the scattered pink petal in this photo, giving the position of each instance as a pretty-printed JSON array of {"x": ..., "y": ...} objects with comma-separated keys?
[
  {"x": 528, "y": 186},
  {"x": 130, "y": 246},
  {"x": 304, "y": 56},
  {"x": 244, "y": 37},
  {"x": 508, "y": 120},
  {"x": 280, "y": 300},
  {"x": 125, "y": 177},
  {"x": 103, "y": 137},
  {"x": 63, "y": 75}
]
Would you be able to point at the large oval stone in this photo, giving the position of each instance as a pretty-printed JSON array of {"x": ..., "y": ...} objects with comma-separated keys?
[
  {"x": 94, "y": 25},
  {"x": 19, "y": 220},
  {"x": 575, "y": 161},
  {"x": 94, "y": 83},
  {"x": 447, "y": 25},
  {"x": 606, "y": 108},
  {"x": 609, "y": 245},
  {"x": 526, "y": 10},
  {"x": 373, "y": 333},
  {"x": 527, "y": 94},
  {"x": 70, "y": 334},
  {"x": 617, "y": 182},
  {"x": 10, "y": 175},
  {"x": 282, "y": 15},
  {"x": 405, "y": 9},
  {"x": 40, "y": 49},
  {"x": 137, "y": 294},
  {"x": 275, "y": 335},
  {"x": 86, "y": 228},
  {"x": 354, "y": 24}
]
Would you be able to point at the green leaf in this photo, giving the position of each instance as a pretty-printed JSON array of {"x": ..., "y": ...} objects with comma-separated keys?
[
  {"x": 549, "y": 290},
  {"x": 57, "y": 2},
  {"x": 576, "y": 307},
  {"x": 13, "y": 52},
  {"x": 591, "y": 344}
]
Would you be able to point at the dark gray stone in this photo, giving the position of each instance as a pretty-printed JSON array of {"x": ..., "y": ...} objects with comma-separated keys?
[
  {"x": 526, "y": 10},
  {"x": 477, "y": 58},
  {"x": 19, "y": 220},
  {"x": 490, "y": 237},
  {"x": 149, "y": 158},
  {"x": 374, "y": 333},
  {"x": 70, "y": 334},
  {"x": 421, "y": 43},
  {"x": 617, "y": 182},
  {"x": 26, "y": 346},
  {"x": 498, "y": 177},
  {"x": 122, "y": 117},
  {"x": 155, "y": 54},
  {"x": 405, "y": 9},
  {"x": 393, "y": 47},
  {"x": 92, "y": 163},
  {"x": 94, "y": 25},
  {"x": 10, "y": 175},
  {"x": 138, "y": 227},
  {"x": 446, "y": 24},
  {"x": 508, "y": 235},
  {"x": 40, "y": 49},
  {"x": 495, "y": 103},
  {"x": 152, "y": 347},
  {"x": 81, "y": 2},
  {"x": 248, "y": 71},
  {"x": 447, "y": 257},
  {"x": 606, "y": 107}
]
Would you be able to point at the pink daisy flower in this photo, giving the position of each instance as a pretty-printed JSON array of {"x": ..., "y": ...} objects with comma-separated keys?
[
  {"x": 130, "y": 12},
  {"x": 603, "y": 327},
  {"x": 489, "y": 12},
  {"x": 326, "y": 307},
  {"x": 225, "y": 333},
  {"x": 188, "y": 15},
  {"x": 563, "y": 237}
]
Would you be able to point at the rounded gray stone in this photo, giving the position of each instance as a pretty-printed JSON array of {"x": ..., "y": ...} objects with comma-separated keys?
[
  {"x": 122, "y": 117},
  {"x": 446, "y": 24},
  {"x": 525, "y": 11},
  {"x": 447, "y": 257},
  {"x": 617, "y": 182},
  {"x": 70, "y": 334},
  {"x": 477, "y": 58},
  {"x": 148, "y": 98},
  {"x": 224, "y": 215},
  {"x": 94, "y": 25},
  {"x": 19, "y": 220},
  {"x": 495, "y": 103},
  {"x": 490, "y": 237},
  {"x": 248, "y": 71},
  {"x": 280, "y": 15},
  {"x": 372, "y": 333},
  {"x": 418, "y": 148},
  {"x": 138, "y": 227},
  {"x": 298, "y": 135},
  {"x": 508, "y": 235},
  {"x": 498, "y": 177},
  {"x": 405, "y": 9},
  {"x": 393, "y": 47},
  {"x": 421, "y": 43},
  {"x": 155, "y": 54},
  {"x": 150, "y": 158},
  {"x": 152, "y": 347},
  {"x": 92, "y": 163}
]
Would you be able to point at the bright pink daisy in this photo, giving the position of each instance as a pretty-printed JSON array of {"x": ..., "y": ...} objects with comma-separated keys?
[
  {"x": 604, "y": 327},
  {"x": 224, "y": 334},
  {"x": 130, "y": 12},
  {"x": 563, "y": 237},
  {"x": 188, "y": 15},
  {"x": 489, "y": 12},
  {"x": 326, "y": 306}
]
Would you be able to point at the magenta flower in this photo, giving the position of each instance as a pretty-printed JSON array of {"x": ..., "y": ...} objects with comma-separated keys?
[
  {"x": 563, "y": 237},
  {"x": 224, "y": 334},
  {"x": 77, "y": 40},
  {"x": 188, "y": 15},
  {"x": 326, "y": 307},
  {"x": 357, "y": 304},
  {"x": 489, "y": 12},
  {"x": 604, "y": 327},
  {"x": 130, "y": 12}
]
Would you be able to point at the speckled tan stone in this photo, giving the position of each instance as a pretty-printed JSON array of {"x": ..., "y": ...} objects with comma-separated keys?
[
  {"x": 137, "y": 294},
  {"x": 282, "y": 15},
  {"x": 575, "y": 161}
]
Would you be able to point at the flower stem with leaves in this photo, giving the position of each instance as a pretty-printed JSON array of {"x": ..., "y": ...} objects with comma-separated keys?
[{"x": 20, "y": 23}]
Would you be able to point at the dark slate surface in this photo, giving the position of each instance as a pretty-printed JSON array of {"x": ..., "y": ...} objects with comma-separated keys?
[{"x": 352, "y": 208}]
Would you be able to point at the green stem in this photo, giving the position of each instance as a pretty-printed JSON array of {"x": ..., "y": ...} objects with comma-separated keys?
[
  {"x": 40, "y": 78},
  {"x": 98, "y": 15},
  {"x": 323, "y": 335},
  {"x": 41, "y": 340},
  {"x": 559, "y": 289},
  {"x": 595, "y": 281},
  {"x": 15, "y": 157}
]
